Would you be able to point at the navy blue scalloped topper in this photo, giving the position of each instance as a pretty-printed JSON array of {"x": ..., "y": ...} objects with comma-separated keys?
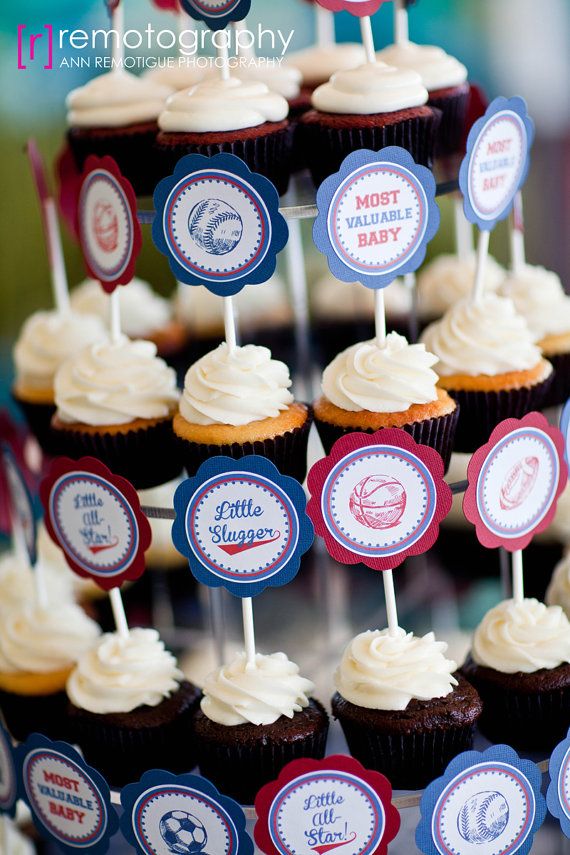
[
  {"x": 218, "y": 223},
  {"x": 69, "y": 800},
  {"x": 217, "y": 14},
  {"x": 8, "y": 775},
  {"x": 496, "y": 164},
  {"x": 242, "y": 525},
  {"x": 486, "y": 803},
  {"x": 558, "y": 794},
  {"x": 21, "y": 503},
  {"x": 376, "y": 216},
  {"x": 165, "y": 813}
]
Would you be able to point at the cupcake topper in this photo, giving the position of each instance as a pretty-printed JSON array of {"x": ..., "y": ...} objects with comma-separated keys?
[
  {"x": 217, "y": 14},
  {"x": 514, "y": 484},
  {"x": 359, "y": 8},
  {"x": 377, "y": 499},
  {"x": 558, "y": 795},
  {"x": 493, "y": 170},
  {"x": 242, "y": 525}
]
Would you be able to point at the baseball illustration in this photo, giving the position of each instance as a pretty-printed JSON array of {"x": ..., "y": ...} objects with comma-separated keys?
[
  {"x": 378, "y": 501},
  {"x": 519, "y": 483},
  {"x": 215, "y": 226},
  {"x": 106, "y": 226},
  {"x": 483, "y": 818}
]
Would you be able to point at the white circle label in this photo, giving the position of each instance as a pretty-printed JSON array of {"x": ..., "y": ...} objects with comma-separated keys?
[
  {"x": 106, "y": 225},
  {"x": 496, "y": 164}
]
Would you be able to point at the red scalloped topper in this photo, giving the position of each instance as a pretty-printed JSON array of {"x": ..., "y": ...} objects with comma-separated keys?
[
  {"x": 167, "y": 5},
  {"x": 515, "y": 481},
  {"x": 326, "y": 805},
  {"x": 107, "y": 225},
  {"x": 360, "y": 8},
  {"x": 95, "y": 517},
  {"x": 378, "y": 498}
]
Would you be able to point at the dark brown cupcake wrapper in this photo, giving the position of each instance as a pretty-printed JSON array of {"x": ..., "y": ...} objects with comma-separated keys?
[
  {"x": 454, "y": 115},
  {"x": 38, "y": 418},
  {"x": 438, "y": 433},
  {"x": 480, "y": 412},
  {"x": 288, "y": 451},
  {"x": 146, "y": 457},
  {"x": 269, "y": 154},
  {"x": 133, "y": 151},
  {"x": 559, "y": 390},
  {"x": 26, "y": 714},
  {"x": 326, "y": 147}
]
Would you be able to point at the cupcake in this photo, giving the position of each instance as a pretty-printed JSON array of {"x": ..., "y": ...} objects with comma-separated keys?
[
  {"x": 144, "y": 313},
  {"x": 253, "y": 720},
  {"x": 520, "y": 665},
  {"x": 237, "y": 402},
  {"x": 445, "y": 79},
  {"x": 46, "y": 340},
  {"x": 241, "y": 117},
  {"x": 130, "y": 708},
  {"x": 403, "y": 710},
  {"x": 449, "y": 278},
  {"x": 368, "y": 387},
  {"x": 318, "y": 63},
  {"x": 558, "y": 591},
  {"x": 489, "y": 364},
  {"x": 539, "y": 297},
  {"x": 282, "y": 78},
  {"x": 372, "y": 106},
  {"x": 115, "y": 401},
  {"x": 38, "y": 649},
  {"x": 115, "y": 114}
]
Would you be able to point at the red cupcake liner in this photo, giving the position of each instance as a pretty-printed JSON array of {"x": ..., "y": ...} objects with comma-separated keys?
[{"x": 453, "y": 105}]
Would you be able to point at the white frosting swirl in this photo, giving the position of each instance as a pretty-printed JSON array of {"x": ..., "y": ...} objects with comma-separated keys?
[
  {"x": 46, "y": 340},
  {"x": 143, "y": 311},
  {"x": 448, "y": 278},
  {"x": 235, "y": 387},
  {"x": 117, "y": 675},
  {"x": 45, "y": 640},
  {"x": 380, "y": 671},
  {"x": 115, "y": 100},
  {"x": 114, "y": 383},
  {"x": 222, "y": 105},
  {"x": 540, "y": 298},
  {"x": 522, "y": 637},
  {"x": 318, "y": 63},
  {"x": 385, "y": 379},
  {"x": 17, "y": 585},
  {"x": 558, "y": 591},
  {"x": 437, "y": 69},
  {"x": 333, "y": 298},
  {"x": 485, "y": 337},
  {"x": 370, "y": 88},
  {"x": 238, "y": 694}
]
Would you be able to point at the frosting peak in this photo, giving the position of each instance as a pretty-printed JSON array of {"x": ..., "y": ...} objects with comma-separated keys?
[
  {"x": 236, "y": 694},
  {"x": 385, "y": 379},
  {"x": 370, "y": 88},
  {"x": 235, "y": 387},
  {"x": 115, "y": 100},
  {"x": 540, "y": 298},
  {"x": 437, "y": 69},
  {"x": 380, "y": 671}
]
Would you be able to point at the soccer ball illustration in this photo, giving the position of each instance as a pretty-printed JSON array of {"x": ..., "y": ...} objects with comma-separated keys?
[
  {"x": 483, "y": 818},
  {"x": 519, "y": 482},
  {"x": 183, "y": 833},
  {"x": 378, "y": 501},
  {"x": 106, "y": 226},
  {"x": 215, "y": 226}
]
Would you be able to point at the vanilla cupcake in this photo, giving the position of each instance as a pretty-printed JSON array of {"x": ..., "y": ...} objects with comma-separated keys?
[
  {"x": 115, "y": 401},
  {"x": 489, "y": 364},
  {"x": 368, "y": 387},
  {"x": 449, "y": 278},
  {"x": 237, "y": 402}
]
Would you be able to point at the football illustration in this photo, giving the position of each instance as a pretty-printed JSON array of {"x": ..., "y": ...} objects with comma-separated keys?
[
  {"x": 519, "y": 483},
  {"x": 106, "y": 226},
  {"x": 183, "y": 833},
  {"x": 215, "y": 226},
  {"x": 483, "y": 818},
  {"x": 378, "y": 501}
]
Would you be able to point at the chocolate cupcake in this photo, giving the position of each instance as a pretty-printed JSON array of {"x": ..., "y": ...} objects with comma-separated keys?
[
  {"x": 253, "y": 720},
  {"x": 368, "y": 387},
  {"x": 371, "y": 107},
  {"x": 237, "y": 402},
  {"x": 241, "y": 117},
  {"x": 402, "y": 709},
  {"x": 130, "y": 708},
  {"x": 489, "y": 364},
  {"x": 520, "y": 665},
  {"x": 115, "y": 114}
]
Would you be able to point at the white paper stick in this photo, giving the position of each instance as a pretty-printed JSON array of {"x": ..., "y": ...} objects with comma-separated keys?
[
  {"x": 57, "y": 267},
  {"x": 368, "y": 38},
  {"x": 518, "y": 576},
  {"x": 248, "y": 631},
  {"x": 297, "y": 282},
  {"x": 248, "y": 52},
  {"x": 118, "y": 24},
  {"x": 325, "y": 27},
  {"x": 119, "y": 615},
  {"x": 379, "y": 316},
  {"x": 185, "y": 22},
  {"x": 223, "y": 55},
  {"x": 115, "y": 316},
  {"x": 516, "y": 228},
  {"x": 482, "y": 255},
  {"x": 390, "y": 596},
  {"x": 463, "y": 230},
  {"x": 401, "y": 23},
  {"x": 230, "y": 323}
]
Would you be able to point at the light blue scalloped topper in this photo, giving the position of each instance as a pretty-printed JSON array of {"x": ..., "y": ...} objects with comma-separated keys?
[
  {"x": 217, "y": 14},
  {"x": 242, "y": 525},
  {"x": 486, "y": 803},
  {"x": 376, "y": 216},
  {"x": 496, "y": 164},
  {"x": 558, "y": 794}
]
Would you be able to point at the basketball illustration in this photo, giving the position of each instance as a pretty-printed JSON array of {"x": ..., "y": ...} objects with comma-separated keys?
[
  {"x": 215, "y": 226},
  {"x": 519, "y": 482},
  {"x": 378, "y": 501},
  {"x": 483, "y": 818},
  {"x": 106, "y": 226}
]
